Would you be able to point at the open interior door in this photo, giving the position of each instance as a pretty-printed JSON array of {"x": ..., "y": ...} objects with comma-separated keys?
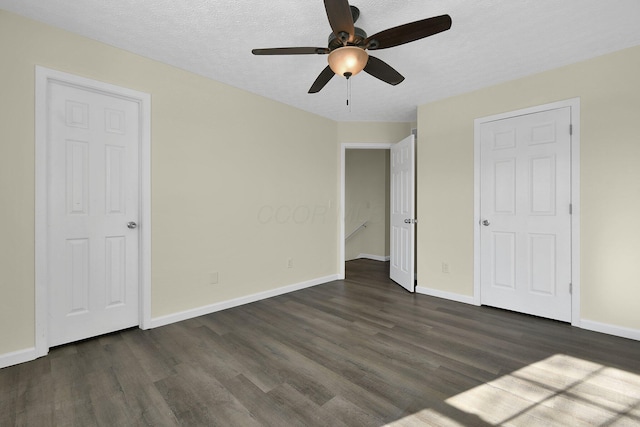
[{"x": 403, "y": 220}]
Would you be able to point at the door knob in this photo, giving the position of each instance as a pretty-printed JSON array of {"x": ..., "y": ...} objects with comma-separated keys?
[
  {"x": 132, "y": 225},
  {"x": 485, "y": 222}
]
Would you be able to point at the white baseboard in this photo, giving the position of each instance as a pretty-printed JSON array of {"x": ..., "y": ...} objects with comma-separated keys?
[
  {"x": 619, "y": 331},
  {"x": 26, "y": 355},
  {"x": 446, "y": 295},
  {"x": 590, "y": 325},
  {"x": 21, "y": 356},
  {"x": 374, "y": 257},
  {"x": 16, "y": 357},
  {"x": 212, "y": 308}
]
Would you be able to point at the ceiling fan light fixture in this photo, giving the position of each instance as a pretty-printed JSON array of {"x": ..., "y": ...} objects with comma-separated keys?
[{"x": 348, "y": 61}]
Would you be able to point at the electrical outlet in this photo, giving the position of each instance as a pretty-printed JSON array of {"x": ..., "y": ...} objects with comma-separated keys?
[
  {"x": 290, "y": 263},
  {"x": 213, "y": 278},
  {"x": 445, "y": 267}
]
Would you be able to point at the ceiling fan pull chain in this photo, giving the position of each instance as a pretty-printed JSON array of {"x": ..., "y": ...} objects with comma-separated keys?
[{"x": 349, "y": 94}]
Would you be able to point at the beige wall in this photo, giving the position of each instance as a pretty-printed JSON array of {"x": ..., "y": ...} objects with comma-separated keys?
[
  {"x": 240, "y": 184},
  {"x": 609, "y": 90},
  {"x": 367, "y": 199},
  {"x": 373, "y": 132}
]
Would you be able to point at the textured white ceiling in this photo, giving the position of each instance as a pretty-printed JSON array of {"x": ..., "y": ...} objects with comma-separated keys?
[{"x": 490, "y": 42}]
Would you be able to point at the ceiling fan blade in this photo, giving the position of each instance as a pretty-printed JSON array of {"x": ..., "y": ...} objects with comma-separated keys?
[
  {"x": 340, "y": 19},
  {"x": 383, "y": 71},
  {"x": 291, "y": 51},
  {"x": 322, "y": 80},
  {"x": 408, "y": 32}
]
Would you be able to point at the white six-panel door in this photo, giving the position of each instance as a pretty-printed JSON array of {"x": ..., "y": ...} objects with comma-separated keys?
[
  {"x": 92, "y": 195},
  {"x": 525, "y": 231},
  {"x": 402, "y": 223}
]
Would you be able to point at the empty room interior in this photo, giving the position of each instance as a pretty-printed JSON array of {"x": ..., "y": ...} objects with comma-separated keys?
[{"x": 430, "y": 217}]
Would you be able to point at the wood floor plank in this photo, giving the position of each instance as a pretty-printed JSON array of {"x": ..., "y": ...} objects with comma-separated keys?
[
  {"x": 309, "y": 342},
  {"x": 8, "y": 396},
  {"x": 34, "y": 389},
  {"x": 359, "y": 351},
  {"x": 345, "y": 410},
  {"x": 198, "y": 398},
  {"x": 259, "y": 403},
  {"x": 296, "y": 370},
  {"x": 156, "y": 363},
  {"x": 107, "y": 398},
  {"x": 299, "y": 406}
]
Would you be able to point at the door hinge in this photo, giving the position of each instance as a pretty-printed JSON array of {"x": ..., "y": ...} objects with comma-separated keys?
[
  {"x": 570, "y": 129},
  {"x": 570, "y": 288},
  {"x": 570, "y": 208}
]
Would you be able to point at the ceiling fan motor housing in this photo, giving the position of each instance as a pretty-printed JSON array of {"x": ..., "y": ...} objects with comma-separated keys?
[{"x": 359, "y": 36}]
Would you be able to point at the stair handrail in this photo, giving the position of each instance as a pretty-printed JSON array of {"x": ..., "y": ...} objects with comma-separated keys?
[{"x": 358, "y": 228}]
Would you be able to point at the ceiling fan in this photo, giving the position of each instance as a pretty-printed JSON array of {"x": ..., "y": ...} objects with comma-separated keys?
[{"x": 348, "y": 45}]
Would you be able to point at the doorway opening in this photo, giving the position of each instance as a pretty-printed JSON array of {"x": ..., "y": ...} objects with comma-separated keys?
[
  {"x": 398, "y": 206},
  {"x": 355, "y": 216},
  {"x": 367, "y": 192}
]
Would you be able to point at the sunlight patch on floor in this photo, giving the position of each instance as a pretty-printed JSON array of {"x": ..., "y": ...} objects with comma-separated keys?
[{"x": 560, "y": 390}]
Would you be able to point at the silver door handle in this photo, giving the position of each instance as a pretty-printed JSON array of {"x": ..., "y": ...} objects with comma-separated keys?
[
  {"x": 485, "y": 222},
  {"x": 132, "y": 225}
]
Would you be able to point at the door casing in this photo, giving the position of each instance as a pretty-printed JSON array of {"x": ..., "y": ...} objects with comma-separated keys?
[
  {"x": 574, "y": 105},
  {"x": 43, "y": 78}
]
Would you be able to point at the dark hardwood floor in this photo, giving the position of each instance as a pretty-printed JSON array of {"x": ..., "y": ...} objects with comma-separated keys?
[{"x": 358, "y": 352}]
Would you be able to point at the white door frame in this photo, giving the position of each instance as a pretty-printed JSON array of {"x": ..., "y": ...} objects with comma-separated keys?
[
  {"x": 343, "y": 153},
  {"x": 44, "y": 76},
  {"x": 574, "y": 105}
]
